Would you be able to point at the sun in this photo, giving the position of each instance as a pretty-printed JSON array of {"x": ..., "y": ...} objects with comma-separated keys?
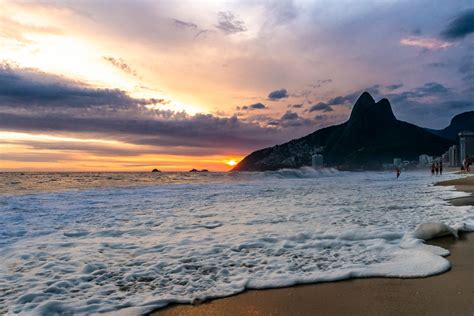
[{"x": 231, "y": 162}]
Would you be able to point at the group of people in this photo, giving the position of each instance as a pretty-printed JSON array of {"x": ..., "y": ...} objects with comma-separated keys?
[
  {"x": 437, "y": 168},
  {"x": 466, "y": 164}
]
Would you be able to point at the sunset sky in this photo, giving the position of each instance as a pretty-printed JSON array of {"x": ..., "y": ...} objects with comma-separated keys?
[{"x": 175, "y": 85}]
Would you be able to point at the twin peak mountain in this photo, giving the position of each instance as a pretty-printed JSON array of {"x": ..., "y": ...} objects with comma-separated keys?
[{"x": 372, "y": 136}]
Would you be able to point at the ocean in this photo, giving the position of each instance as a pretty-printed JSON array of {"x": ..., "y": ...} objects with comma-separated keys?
[{"x": 134, "y": 242}]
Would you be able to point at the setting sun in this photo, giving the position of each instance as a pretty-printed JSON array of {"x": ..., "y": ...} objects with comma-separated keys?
[{"x": 231, "y": 162}]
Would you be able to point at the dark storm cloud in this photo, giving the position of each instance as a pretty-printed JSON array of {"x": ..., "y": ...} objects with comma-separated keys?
[
  {"x": 278, "y": 94},
  {"x": 321, "y": 106},
  {"x": 27, "y": 88},
  {"x": 394, "y": 86},
  {"x": 121, "y": 64},
  {"x": 227, "y": 23},
  {"x": 461, "y": 26},
  {"x": 32, "y": 101}
]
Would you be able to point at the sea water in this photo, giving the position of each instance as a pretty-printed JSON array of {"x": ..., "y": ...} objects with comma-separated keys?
[{"x": 90, "y": 243}]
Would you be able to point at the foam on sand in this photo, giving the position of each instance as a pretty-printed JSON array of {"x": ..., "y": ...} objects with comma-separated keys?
[{"x": 138, "y": 249}]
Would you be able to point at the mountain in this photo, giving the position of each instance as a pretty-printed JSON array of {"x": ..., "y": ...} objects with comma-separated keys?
[
  {"x": 372, "y": 136},
  {"x": 459, "y": 123}
]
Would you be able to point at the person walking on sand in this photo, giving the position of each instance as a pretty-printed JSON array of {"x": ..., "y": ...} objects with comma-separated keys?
[
  {"x": 440, "y": 168},
  {"x": 436, "y": 168},
  {"x": 465, "y": 163},
  {"x": 432, "y": 169},
  {"x": 398, "y": 172}
]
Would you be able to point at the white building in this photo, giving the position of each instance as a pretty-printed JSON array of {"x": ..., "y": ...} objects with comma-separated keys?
[
  {"x": 397, "y": 162},
  {"x": 317, "y": 161},
  {"x": 425, "y": 159},
  {"x": 466, "y": 145},
  {"x": 453, "y": 156}
]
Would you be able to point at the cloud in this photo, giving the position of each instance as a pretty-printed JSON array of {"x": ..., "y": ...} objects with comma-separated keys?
[
  {"x": 278, "y": 94},
  {"x": 227, "y": 23},
  {"x": 429, "y": 89},
  {"x": 437, "y": 64},
  {"x": 255, "y": 106},
  {"x": 394, "y": 86},
  {"x": 33, "y": 101},
  {"x": 349, "y": 99},
  {"x": 460, "y": 27},
  {"x": 295, "y": 106},
  {"x": 22, "y": 87},
  {"x": 289, "y": 116},
  {"x": 320, "y": 83},
  {"x": 183, "y": 24},
  {"x": 120, "y": 63},
  {"x": 425, "y": 43},
  {"x": 321, "y": 106},
  {"x": 466, "y": 69}
]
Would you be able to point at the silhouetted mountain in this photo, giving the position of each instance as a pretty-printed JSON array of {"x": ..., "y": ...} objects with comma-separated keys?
[
  {"x": 372, "y": 136},
  {"x": 459, "y": 123}
]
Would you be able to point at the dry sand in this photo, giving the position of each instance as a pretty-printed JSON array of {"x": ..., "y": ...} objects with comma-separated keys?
[{"x": 450, "y": 293}]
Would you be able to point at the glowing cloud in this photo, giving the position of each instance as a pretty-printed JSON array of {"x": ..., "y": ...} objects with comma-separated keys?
[{"x": 425, "y": 42}]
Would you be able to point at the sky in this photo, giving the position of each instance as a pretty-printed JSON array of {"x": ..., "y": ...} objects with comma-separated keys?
[{"x": 174, "y": 85}]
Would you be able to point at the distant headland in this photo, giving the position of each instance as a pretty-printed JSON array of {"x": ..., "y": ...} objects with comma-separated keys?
[{"x": 370, "y": 138}]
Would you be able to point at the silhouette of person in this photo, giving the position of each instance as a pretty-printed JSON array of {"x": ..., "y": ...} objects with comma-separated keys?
[
  {"x": 398, "y": 172},
  {"x": 436, "y": 168},
  {"x": 440, "y": 168},
  {"x": 432, "y": 169}
]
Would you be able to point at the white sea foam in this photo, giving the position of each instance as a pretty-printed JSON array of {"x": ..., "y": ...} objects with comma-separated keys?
[{"x": 142, "y": 248}]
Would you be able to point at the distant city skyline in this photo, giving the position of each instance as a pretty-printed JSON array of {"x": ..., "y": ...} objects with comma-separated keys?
[{"x": 176, "y": 85}]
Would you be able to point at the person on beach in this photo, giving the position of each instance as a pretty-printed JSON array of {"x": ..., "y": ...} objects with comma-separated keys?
[
  {"x": 436, "y": 168},
  {"x": 398, "y": 172},
  {"x": 466, "y": 163},
  {"x": 440, "y": 168},
  {"x": 432, "y": 169}
]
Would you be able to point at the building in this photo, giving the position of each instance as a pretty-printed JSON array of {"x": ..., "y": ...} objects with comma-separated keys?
[
  {"x": 425, "y": 160},
  {"x": 397, "y": 162},
  {"x": 317, "y": 161},
  {"x": 466, "y": 145},
  {"x": 453, "y": 156}
]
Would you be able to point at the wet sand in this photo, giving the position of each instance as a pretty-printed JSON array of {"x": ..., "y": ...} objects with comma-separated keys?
[{"x": 449, "y": 293}]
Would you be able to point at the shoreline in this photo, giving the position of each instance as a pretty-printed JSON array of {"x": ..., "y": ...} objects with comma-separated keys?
[{"x": 445, "y": 293}]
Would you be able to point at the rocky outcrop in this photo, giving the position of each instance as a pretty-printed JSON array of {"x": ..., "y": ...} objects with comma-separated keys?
[{"x": 372, "y": 136}]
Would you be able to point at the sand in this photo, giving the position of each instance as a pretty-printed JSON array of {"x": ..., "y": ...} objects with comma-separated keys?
[{"x": 450, "y": 293}]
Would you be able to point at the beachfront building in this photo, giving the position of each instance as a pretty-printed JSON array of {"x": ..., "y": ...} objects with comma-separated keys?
[
  {"x": 425, "y": 160},
  {"x": 397, "y": 162},
  {"x": 466, "y": 145},
  {"x": 317, "y": 161},
  {"x": 453, "y": 157}
]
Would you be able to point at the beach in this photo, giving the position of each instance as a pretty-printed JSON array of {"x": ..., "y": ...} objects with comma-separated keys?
[{"x": 449, "y": 293}]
